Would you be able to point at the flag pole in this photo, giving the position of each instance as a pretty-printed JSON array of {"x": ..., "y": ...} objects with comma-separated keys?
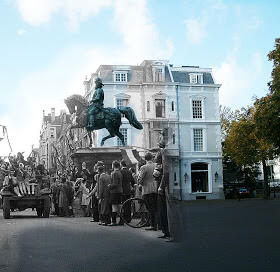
[{"x": 6, "y": 131}]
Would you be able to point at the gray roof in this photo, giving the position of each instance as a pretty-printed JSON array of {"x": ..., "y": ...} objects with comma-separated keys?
[
  {"x": 143, "y": 73},
  {"x": 135, "y": 73},
  {"x": 167, "y": 75},
  {"x": 183, "y": 77}
]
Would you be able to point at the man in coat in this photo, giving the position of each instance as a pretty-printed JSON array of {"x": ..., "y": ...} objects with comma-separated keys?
[
  {"x": 104, "y": 180},
  {"x": 55, "y": 195},
  {"x": 115, "y": 191},
  {"x": 149, "y": 188},
  {"x": 163, "y": 181},
  {"x": 127, "y": 185}
]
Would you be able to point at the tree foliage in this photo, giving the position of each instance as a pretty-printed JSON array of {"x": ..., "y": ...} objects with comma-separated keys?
[
  {"x": 245, "y": 145},
  {"x": 274, "y": 55},
  {"x": 240, "y": 143},
  {"x": 252, "y": 135},
  {"x": 267, "y": 119},
  {"x": 267, "y": 115}
]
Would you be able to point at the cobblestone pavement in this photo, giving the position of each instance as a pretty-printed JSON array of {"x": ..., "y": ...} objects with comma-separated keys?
[{"x": 217, "y": 236}]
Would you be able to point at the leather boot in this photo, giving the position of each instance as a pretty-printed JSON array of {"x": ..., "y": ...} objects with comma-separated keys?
[{"x": 90, "y": 122}]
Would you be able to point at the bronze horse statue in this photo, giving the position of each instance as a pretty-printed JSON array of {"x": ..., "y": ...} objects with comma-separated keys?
[{"x": 78, "y": 108}]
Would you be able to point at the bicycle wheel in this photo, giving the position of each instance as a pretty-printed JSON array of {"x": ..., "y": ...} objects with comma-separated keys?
[{"x": 134, "y": 213}]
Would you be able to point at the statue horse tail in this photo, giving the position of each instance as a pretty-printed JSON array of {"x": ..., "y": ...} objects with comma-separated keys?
[{"x": 131, "y": 117}]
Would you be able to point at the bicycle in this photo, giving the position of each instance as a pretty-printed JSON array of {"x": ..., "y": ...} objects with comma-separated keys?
[{"x": 139, "y": 215}]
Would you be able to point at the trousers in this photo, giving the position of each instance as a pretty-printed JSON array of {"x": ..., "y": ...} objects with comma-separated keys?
[{"x": 151, "y": 202}]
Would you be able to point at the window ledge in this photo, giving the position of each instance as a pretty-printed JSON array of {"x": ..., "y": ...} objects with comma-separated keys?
[{"x": 199, "y": 193}]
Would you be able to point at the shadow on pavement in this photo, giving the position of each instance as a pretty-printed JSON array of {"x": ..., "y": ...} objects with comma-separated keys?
[
  {"x": 214, "y": 236},
  {"x": 58, "y": 249}
]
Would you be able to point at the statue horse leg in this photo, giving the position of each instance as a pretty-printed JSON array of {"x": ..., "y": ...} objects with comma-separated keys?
[
  {"x": 106, "y": 138},
  {"x": 111, "y": 135},
  {"x": 90, "y": 138},
  {"x": 118, "y": 133}
]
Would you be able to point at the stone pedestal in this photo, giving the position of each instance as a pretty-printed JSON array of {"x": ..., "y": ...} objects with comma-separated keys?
[{"x": 92, "y": 155}]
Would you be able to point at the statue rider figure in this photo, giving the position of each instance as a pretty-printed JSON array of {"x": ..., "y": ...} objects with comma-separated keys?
[{"x": 95, "y": 110}]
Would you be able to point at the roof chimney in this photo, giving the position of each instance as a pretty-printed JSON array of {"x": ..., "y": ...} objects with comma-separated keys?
[{"x": 52, "y": 114}]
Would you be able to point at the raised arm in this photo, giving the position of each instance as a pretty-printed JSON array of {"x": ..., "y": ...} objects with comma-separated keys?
[{"x": 141, "y": 175}]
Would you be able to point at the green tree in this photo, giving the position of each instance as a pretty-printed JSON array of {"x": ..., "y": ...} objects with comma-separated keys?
[
  {"x": 267, "y": 115},
  {"x": 234, "y": 172},
  {"x": 274, "y": 55},
  {"x": 267, "y": 119},
  {"x": 246, "y": 146}
]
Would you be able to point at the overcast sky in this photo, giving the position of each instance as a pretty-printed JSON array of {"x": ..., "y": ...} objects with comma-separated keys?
[{"x": 48, "y": 47}]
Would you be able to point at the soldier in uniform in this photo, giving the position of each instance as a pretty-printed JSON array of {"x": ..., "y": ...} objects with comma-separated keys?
[{"x": 95, "y": 110}]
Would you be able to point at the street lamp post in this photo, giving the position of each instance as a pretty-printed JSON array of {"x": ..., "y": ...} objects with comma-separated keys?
[{"x": 272, "y": 178}]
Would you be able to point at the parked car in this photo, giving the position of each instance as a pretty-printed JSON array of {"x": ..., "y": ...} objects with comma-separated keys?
[{"x": 243, "y": 193}]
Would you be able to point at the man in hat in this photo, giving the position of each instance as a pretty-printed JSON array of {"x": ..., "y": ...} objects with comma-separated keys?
[
  {"x": 103, "y": 196},
  {"x": 162, "y": 178},
  {"x": 95, "y": 191},
  {"x": 95, "y": 110}
]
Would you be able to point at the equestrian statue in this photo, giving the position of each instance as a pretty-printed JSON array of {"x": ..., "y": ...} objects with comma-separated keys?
[{"x": 93, "y": 116}]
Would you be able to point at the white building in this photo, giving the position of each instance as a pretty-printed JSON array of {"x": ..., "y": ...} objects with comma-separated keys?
[
  {"x": 273, "y": 171},
  {"x": 185, "y": 101}
]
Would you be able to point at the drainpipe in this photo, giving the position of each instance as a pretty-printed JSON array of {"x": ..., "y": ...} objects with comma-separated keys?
[{"x": 179, "y": 141}]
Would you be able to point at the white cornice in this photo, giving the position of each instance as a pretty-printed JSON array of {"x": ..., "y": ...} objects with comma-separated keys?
[
  {"x": 122, "y": 95},
  {"x": 202, "y": 122},
  {"x": 163, "y": 84},
  {"x": 191, "y": 69},
  {"x": 160, "y": 95}
]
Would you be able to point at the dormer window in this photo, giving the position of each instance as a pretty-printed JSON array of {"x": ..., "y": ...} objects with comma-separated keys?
[
  {"x": 158, "y": 73},
  {"x": 196, "y": 78},
  {"x": 120, "y": 76}
]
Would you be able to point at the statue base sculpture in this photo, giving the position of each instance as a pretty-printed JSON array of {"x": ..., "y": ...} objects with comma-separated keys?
[{"x": 106, "y": 154}]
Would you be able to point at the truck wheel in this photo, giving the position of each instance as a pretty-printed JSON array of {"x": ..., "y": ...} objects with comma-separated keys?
[
  {"x": 6, "y": 208},
  {"x": 47, "y": 207},
  {"x": 39, "y": 212}
]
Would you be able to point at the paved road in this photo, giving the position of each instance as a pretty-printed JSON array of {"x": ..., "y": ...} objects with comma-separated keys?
[{"x": 217, "y": 236}]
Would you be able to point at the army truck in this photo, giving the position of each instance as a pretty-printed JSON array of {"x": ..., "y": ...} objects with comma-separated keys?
[{"x": 35, "y": 197}]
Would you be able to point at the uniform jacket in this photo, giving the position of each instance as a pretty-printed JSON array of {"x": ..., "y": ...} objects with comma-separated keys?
[
  {"x": 116, "y": 182},
  {"x": 104, "y": 181},
  {"x": 97, "y": 102},
  {"x": 127, "y": 182},
  {"x": 164, "y": 184}
]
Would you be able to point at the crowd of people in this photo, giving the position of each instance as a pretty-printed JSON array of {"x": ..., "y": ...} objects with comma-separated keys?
[
  {"x": 97, "y": 193},
  {"x": 22, "y": 179}
]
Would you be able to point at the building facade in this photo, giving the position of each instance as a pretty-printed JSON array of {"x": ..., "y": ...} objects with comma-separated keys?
[
  {"x": 51, "y": 143},
  {"x": 182, "y": 101}
]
